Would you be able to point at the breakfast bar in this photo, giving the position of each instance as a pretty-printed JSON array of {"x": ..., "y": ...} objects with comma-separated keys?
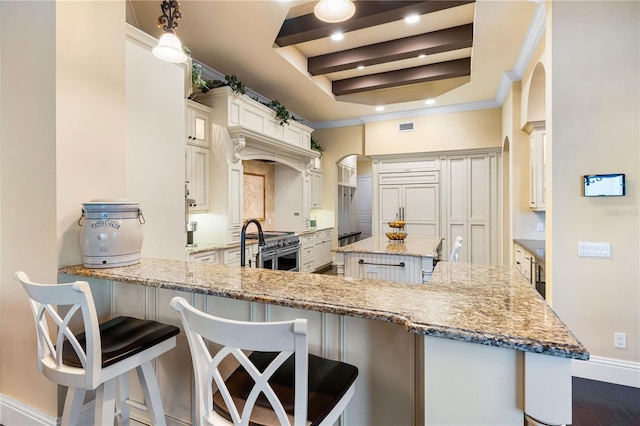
[{"x": 475, "y": 345}]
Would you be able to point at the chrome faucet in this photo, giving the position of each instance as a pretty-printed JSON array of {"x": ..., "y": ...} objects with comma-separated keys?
[{"x": 243, "y": 237}]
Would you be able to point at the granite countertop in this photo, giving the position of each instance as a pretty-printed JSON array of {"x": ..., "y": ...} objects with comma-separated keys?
[
  {"x": 535, "y": 247},
  {"x": 378, "y": 244},
  {"x": 490, "y": 305}
]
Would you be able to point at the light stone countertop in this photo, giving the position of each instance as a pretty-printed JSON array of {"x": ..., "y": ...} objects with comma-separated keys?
[
  {"x": 490, "y": 305},
  {"x": 411, "y": 246}
]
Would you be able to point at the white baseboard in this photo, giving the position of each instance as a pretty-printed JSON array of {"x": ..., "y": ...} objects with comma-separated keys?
[
  {"x": 13, "y": 412},
  {"x": 608, "y": 370}
]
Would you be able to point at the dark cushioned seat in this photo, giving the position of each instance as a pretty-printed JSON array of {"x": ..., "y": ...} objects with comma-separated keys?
[
  {"x": 328, "y": 382},
  {"x": 122, "y": 337}
]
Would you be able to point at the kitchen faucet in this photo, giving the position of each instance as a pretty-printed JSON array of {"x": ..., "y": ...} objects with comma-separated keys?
[{"x": 243, "y": 237}]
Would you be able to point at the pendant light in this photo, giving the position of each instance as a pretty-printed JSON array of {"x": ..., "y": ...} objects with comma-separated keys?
[
  {"x": 334, "y": 10},
  {"x": 169, "y": 47}
]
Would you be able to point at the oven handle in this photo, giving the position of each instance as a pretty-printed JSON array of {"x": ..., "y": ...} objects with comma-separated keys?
[{"x": 289, "y": 250}]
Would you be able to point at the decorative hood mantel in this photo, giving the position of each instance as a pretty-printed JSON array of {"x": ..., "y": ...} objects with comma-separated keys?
[{"x": 255, "y": 132}]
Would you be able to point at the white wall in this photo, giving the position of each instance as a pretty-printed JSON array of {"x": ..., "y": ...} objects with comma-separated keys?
[{"x": 596, "y": 129}]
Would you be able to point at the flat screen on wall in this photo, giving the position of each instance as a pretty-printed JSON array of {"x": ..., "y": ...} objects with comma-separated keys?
[{"x": 610, "y": 185}]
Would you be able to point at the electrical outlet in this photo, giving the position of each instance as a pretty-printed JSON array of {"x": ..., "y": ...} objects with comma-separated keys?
[
  {"x": 620, "y": 340},
  {"x": 540, "y": 227}
]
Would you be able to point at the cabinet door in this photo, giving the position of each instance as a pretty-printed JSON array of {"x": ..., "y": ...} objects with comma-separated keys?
[
  {"x": 235, "y": 198},
  {"x": 421, "y": 210},
  {"x": 198, "y": 177},
  {"x": 390, "y": 202},
  {"x": 197, "y": 125},
  {"x": 306, "y": 206},
  {"x": 316, "y": 190}
]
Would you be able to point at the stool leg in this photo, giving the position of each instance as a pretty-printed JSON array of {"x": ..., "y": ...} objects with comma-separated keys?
[
  {"x": 122, "y": 406},
  {"x": 106, "y": 403},
  {"x": 149, "y": 384},
  {"x": 73, "y": 403}
]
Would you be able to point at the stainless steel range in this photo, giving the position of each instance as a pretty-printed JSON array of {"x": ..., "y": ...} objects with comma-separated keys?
[{"x": 281, "y": 251}]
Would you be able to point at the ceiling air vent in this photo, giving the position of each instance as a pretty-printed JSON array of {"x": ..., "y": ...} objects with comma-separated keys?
[{"x": 406, "y": 127}]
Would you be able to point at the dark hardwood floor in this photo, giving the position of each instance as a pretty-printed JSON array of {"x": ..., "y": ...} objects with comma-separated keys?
[{"x": 599, "y": 403}]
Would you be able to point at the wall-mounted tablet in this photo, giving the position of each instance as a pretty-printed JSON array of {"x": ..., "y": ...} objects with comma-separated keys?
[{"x": 611, "y": 185}]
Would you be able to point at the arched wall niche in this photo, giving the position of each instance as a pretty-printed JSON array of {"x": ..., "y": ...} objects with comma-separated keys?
[{"x": 536, "y": 96}]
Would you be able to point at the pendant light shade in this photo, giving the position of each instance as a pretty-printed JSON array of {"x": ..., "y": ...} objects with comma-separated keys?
[
  {"x": 334, "y": 10},
  {"x": 169, "y": 49}
]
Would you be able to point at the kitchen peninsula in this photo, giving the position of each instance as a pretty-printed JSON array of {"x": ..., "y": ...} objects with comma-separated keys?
[
  {"x": 409, "y": 261},
  {"x": 475, "y": 345}
]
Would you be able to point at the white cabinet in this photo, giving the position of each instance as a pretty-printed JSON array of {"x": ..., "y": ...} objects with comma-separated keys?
[
  {"x": 197, "y": 124},
  {"x": 470, "y": 206},
  {"x": 197, "y": 177},
  {"x": 231, "y": 256},
  {"x": 323, "y": 243},
  {"x": 316, "y": 189},
  {"x": 205, "y": 257},
  {"x": 292, "y": 210},
  {"x": 419, "y": 203},
  {"x": 537, "y": 165},
  {"x": 307, "y": 260}
]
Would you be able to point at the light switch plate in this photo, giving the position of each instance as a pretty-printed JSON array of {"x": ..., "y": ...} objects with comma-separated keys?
[{"x": 594, "y": 249}]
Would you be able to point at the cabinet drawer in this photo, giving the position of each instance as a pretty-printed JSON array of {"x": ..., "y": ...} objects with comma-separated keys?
[
  {"x": 307, "y": 240},
  {"x": 234, "y": 235},
  {"x": 409, "y": 166},
  {"x": 307, "y": 266},
  {"x": 307, "y": 254},
  {"x": 409, "y": 177},
  {"x": 207, "y": 257},
  {"x": 322, "y": 236},
  {"x": 232, "y": 256}
]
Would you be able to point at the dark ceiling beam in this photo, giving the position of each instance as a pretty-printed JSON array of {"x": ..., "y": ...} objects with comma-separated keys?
[
  {"x": 409, "y": 47},
  {"x": 368, "y": 14},
  {"x": 385, "y": 80}
]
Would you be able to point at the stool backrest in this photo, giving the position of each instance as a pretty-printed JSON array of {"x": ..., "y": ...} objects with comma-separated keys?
[
  {"x": 46, "y": 301},
  {"x": 286, "y": 337}
]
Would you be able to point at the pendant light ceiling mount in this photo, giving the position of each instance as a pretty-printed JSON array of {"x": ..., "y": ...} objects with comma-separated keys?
[
  {"x": 169, "y": 47},
  {"x": 333, "y": 11}
]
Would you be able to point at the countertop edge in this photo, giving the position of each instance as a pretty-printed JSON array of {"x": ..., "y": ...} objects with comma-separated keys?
[{"x": 441, "y": 331}]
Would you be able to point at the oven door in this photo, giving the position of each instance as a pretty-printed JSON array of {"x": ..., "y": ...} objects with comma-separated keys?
[
  {"x": 267, "y": 259},
  {"x": 288, "y": 259}
]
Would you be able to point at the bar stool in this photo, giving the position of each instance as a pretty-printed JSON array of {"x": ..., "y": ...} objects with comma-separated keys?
[
  {"x": 279, "y": 383},
  {"x": 95, "y": 358}
]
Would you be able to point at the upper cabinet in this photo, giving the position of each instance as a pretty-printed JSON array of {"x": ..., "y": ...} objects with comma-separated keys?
[
  {"x": 316, "y": 183},
  {"x": 537, "y": 165},
  {"x": 197, "y": 124},
  {"x": 197, "y": 156}
]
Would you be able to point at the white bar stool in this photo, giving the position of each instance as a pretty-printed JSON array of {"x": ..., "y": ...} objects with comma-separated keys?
[
  {"x": 277, "y": 384},
  {"x": 98, "y": 356}
]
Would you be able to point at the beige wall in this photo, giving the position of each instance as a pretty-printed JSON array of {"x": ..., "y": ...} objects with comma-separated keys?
[
  {"x": 337, "y": 144},
  {"x": 28, "y": 187},
  {"x": 596, "y": 129},
  {"x": 444, "y": 132}
]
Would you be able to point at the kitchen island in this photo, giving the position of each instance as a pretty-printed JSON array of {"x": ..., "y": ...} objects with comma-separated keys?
[
  {"x": 475, "y": 345},
  {"x": 377, "y": 257}
]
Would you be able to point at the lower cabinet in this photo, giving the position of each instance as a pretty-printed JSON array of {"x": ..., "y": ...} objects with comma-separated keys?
[
  {"x": 205, "y": 257},
  {"x": 531, "y": 268},
  {"x": 307, "y": 259},
  {"x": 322, "y": 248}
]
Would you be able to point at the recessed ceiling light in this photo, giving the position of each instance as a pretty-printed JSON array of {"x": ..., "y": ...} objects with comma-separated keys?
[
  {"x": 337, "y": 36},
  {"x": 360, "y": 67},
  {"x": 412, "y": 19},
  {"x": 422, "y": 56},
  {"x": 334, "y": 10},
  {"x": 430, "y": 101},
  {"x": 379, "y": 108}
]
